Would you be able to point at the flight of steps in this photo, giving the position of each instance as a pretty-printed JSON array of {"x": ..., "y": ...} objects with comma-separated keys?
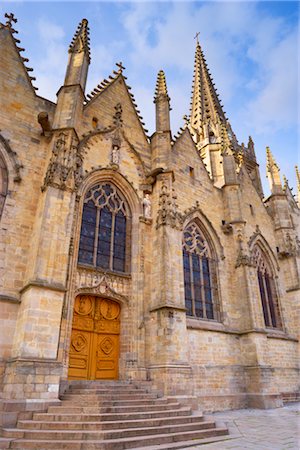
[
  {"x": 113, "y": 416},
  {"x": 290, "y": 397}
]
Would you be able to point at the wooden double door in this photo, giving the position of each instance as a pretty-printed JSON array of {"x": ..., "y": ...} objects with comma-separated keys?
[{"x": 94, "y": 348}]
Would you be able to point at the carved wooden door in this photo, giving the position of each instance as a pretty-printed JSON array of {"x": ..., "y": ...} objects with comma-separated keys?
[{"x": 94, "y": 349}]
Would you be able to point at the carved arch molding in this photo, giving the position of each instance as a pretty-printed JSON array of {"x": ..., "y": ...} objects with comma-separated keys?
[{"x": 10, "y": 156}]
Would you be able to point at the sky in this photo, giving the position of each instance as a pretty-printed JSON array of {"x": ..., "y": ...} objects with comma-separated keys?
[{"x": 251, "y": 48}]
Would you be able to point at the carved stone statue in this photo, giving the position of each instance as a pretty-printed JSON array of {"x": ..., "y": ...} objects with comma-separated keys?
[
  {"x": 147, "y": 207},
  {"x": 115, "y": 154}
]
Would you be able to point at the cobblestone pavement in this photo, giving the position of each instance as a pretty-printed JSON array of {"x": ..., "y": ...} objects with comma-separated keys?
[{"x": 273, "y": 429}]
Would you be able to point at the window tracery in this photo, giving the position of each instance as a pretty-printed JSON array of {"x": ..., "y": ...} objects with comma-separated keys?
[
  {"x": 3, "y": 183},
  {"x": 105, "y": 229},
  {"x": 200, "y": 281},
  {"x": 267, "y": 288}
]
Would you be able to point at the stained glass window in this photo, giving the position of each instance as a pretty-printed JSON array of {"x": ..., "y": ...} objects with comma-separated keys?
[
  {"x": 199, "y": 269},
  {"x": 3, "y": 183},
  {"x": 267, "y": 288},
  {"x": 104, "y": 239}
]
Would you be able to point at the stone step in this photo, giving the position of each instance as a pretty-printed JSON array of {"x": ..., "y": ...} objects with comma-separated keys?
[
  {"x": 108, "y": 425},
  {"x": 107, "y": 391},
  {"x": 91, "y": 397},
  {"x": 192, "y": 443},
  {"x": 117, "y": 444},
  {"x": 115, "y": 402},
  {"x": 105, "y": 384},
  {"x": 80, "y": 417},
  {"x": 81, "y": 434},
  {"x": 97, "y": 408}
]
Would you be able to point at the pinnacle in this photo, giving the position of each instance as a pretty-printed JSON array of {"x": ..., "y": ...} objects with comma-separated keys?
[
  {"x": 161, "y": 86},
  {"x": 273, "y": 173},
  {"x": 271, "y": 163},
  {"x": 81, "y": 39},
  {"x": 298, "y": 181},
  {"x": 205, "y": 103}
]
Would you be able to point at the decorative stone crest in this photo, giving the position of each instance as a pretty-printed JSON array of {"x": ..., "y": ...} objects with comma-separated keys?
[
  {"x": 168, "y": 209},
  {"x": 96, "y": 282},
  {"x": 118, "y": 121},
  {"x": 291, "y": 247},
  {"x": 116, "y": 139},
  {"x": 243, "y": 258},
  {"x": 65, "y": 167}
]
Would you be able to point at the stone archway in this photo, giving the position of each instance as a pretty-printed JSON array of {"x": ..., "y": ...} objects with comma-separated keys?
[{"x": 94, "y": 346}]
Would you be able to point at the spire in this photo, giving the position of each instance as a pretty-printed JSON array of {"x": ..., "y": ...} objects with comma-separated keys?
[
  {"x": 205, "y": 104},
  {"x": 273, "y": 173},
  {"x": 79, "y": 56},
  {"x": 162, "y": 102},
  {"x": 161, "y": 87}
]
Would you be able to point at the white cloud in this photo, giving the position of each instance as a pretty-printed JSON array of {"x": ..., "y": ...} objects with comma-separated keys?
[
  {"x": 234, "y": 35},
  {"x": 275, "y": 104},
  {"x": 50, "y": 62}
]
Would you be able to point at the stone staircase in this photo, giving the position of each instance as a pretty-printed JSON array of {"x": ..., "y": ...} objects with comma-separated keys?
[
  {"x": 113, "y": 416},
  {"x": 290, "y": 397}
]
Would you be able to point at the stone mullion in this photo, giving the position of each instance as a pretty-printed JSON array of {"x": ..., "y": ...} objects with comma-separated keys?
[
  {"x": 210, "y": 270},
  {"x": 112, "y": 238},
  {"x": 192, "y": 285},
  {"x": 267, "y": 302},
  {"x": 202, "y": 288},
  {"x": 96, "y": 237}
]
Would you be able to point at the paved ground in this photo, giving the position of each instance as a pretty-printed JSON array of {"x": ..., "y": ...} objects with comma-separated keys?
[{"x": 272, "y": 429}]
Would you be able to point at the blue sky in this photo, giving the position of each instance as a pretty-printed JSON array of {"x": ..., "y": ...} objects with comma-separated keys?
[{"x": 251, "y": 49}]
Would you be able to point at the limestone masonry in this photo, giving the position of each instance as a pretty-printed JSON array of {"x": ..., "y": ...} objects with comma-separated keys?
[{"x": 131, "y": 257}]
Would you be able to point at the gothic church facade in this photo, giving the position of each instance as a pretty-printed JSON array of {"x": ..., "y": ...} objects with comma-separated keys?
[{"x": 131, "y": 257}]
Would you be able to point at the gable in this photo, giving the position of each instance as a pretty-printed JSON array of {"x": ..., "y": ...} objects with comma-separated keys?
[
  {"x": 185, "y": 157},
  {"x": 14, "y": 76},
  {"x": 102, "y": 108}
]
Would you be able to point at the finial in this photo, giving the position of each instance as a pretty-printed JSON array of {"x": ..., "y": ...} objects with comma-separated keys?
[
  {"x": 161, "y": 86},
  {"x": 298, "y": 182},
  {"x": 297, "y": 174},
  {"x": 273, "y": 173},
  {"x": 81, "y": 39},
  {"x": 271, "y": 163},
  {"x": 10, "y": 18},
  {"x": 121, "y": 67},
  {"x": 197, "y": 37},
  {"x": 285, "y": 181}
]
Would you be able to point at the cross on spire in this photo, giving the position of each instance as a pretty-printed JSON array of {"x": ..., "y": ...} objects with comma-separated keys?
[
  {"x": 10, "y": 18},
  {"x": 196, "y": 37}
]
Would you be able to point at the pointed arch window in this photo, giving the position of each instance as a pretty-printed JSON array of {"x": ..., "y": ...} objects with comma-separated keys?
[
  {"x": 267, "y": 288},
  {"x": 200, "y": 281},
  {"x": 105, "y": 229},
  {"x": 3, "y": 183}
]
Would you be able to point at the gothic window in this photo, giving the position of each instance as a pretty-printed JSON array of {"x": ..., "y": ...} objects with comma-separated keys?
[
  {"x": 105, "y": 229},
  {"x": 3, "y": 183},
  {"x": 267, "y": 289},
  {"x": 200, "y": 283}
]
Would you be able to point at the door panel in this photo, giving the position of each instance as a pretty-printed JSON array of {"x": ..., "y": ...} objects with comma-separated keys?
[
  {"x": 107, "y": 351},
  {"x": 94, "y": 349},
  {"x": 79, "y": 354}
]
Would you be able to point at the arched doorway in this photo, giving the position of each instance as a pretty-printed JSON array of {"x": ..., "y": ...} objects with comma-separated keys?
[{"x": 94, "y": 348}]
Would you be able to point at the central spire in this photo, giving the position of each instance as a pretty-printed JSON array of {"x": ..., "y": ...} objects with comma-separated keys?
[{"x": 205, "y": 104}]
